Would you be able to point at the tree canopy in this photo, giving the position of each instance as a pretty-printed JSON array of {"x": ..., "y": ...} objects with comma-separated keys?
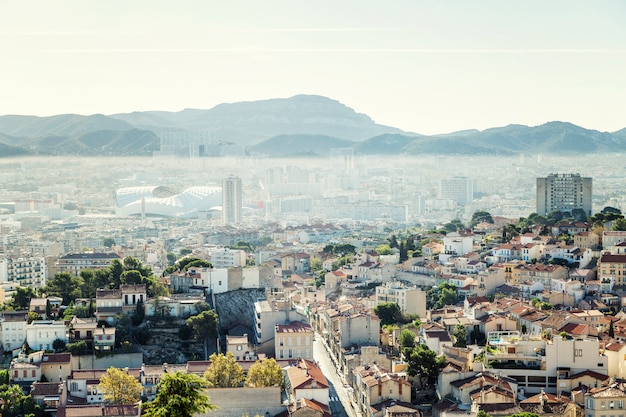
[
  {"x": 179, "y": 395},
  {"x": 224, "y": 371},
  {"x": 406, "y": 338},
  {"x": 118, "y": 387},
  {"x": 388, "y": 313},
  {"x": 203, "y": 327},
  {"x": 266, "y": 373},
  {"x": 480, "y": 217},
  {"x": 424, "y": 363}
]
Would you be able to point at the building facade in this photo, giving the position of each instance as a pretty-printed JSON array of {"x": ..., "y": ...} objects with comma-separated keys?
[
  {"x": 231, "y": 200},
  {"x": 563, "y": 192}
]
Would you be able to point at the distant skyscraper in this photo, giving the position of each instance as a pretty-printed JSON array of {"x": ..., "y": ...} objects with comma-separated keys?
[
  {"x": 563, "y": 192},
  {"x": 231, "y": 200},
  {"x": 459, "y": 189}
]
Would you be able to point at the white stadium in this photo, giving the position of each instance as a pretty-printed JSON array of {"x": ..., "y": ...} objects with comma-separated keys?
[{"x": 164, "y": 201}]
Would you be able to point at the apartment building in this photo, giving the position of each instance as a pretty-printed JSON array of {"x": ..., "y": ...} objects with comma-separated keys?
[
  {"x": 293, "y": 340},
  {"x": 411, "y": 300},
  {"x": 23, "y": 272},
  {"x": 73, "y": 263}
]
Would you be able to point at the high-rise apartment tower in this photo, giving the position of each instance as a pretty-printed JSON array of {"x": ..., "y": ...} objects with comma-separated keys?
[
  {"x": 563, "y": 192},
  {"x": 231, "y": 200}
]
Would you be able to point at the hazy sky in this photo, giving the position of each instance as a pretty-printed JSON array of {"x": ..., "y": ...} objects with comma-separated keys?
[{"x": 423, "y": 66}]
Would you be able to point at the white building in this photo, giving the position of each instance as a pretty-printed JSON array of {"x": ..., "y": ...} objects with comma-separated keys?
[
  {"x": 455, "y": 244},
  {"x": 411, "y": 300},
  {"x": 13, "y": 329},
  {"x": 41, "y": 334},
  {"x": 232, "y": 202},
  {"x": 23, "y": 272}
]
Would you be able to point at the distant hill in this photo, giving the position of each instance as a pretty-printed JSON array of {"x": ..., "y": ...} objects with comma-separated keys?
[
  {"x": 250, "y": 121},
  {"x": 303, "y": 125},
  {"x": 300, "y": 145}
]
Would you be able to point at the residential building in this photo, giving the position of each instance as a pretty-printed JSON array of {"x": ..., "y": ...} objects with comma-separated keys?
[
  {"x": 304, "y": 379},
  {"x": 293, "y": 340},
  {"x": 374, "y": 385},
  {"x": 612, "y": 266},
  {"x": 23, "y": 272},
  {"x": 240, "y": 347},
  {"x": 73, "y": 263},
  {"x": 458, "y": 189},
  {"x": 232, "y": 200},
  {"x": 564, "y": 192},
  {"x": 13, "y": 330},
  {"x": 411, "y": 300},
  {"x": 41, "y": 334},
  {"x": 606, "y": 400}
]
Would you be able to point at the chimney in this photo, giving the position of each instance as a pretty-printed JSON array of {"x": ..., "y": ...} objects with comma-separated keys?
[{"x": 380, "y": 388}]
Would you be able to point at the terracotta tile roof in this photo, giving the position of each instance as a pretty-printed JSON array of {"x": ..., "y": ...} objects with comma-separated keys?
[{"x": 303, "y": 373}]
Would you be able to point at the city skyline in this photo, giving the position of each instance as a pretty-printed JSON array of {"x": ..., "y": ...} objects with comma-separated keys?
[{"x": 425, "y": 68}]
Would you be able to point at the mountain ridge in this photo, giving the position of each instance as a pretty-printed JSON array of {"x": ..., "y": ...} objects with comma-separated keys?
[{"x": 308, "y": 125}]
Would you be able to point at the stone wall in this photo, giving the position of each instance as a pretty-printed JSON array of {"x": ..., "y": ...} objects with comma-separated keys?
[
  {"x": 238, "y": 402},
  {"x": 120, "y": 360},
  {"x": 237, "y": 308}
]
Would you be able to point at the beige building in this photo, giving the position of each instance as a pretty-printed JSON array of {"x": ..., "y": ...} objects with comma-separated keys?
[
  {"x": 374, "y": 385},
  {"x": 240, "y": 347},
  {"x": 411, "y": 300},
  {"x": 609, "y": 400},
  {"x": 613, "y": 266},
  {"x": 293, "y": 340}
]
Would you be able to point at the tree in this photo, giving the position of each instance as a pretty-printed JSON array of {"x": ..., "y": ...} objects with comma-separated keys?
[
  {"x": 118, "y": 387},
  {"x": 179, "y": 395},
  {"x": 65, "y": 286},
  {"x": 403, "y": 252},
  {"x": 58, "y": 345},
  {"x": 204, "y": 327},
  {"x": 224, "y": 371},
  {"x": 388, "y": 313},
  {"x": 139, "y": 314},
  {"x": 460, "y": 336},
  {"x": 424, "y": 363},
  {"x": 611, "y": 330},
  {"x": 406, "y": 339},
  {"x": 383, "y": 249},
  {"x": 393, "y": 241},
  {"x": 266, "y": 373},
  {"x": 32, "y": 316},
  {"x": 22, "y": 297},
  {"x": 108, "y": 242},
  {"x": 619, "y": 225},
  {"x": 480, "y": 217},
  {"x": 77, "y": 348}
]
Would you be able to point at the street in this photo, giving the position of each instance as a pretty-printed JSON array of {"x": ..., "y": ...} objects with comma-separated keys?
[{"x": 339, "y": 403}]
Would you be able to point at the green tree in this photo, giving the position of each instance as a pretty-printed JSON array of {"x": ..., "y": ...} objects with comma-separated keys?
[
  {"x": 480, "y": 217},
  {"x": 131, "y": 277},
  {"x": 118, "y": 387},
  {"x": 460, "y": 336},
  {"x": 171, "y": 258},
  {"x": 611, "y": 330},
  {"x": 482, "y": 413},
  {"x": 64, "y": 285},
  {"x": 204, "y": 327},
  {"x": 265, "y": 373},
  {"x": 77, "y": 348},
  {"x": 224, "y": 371},
  {"x": 383, "y": 249},
  {"x": 424, "y": 363},
  {"x": 388, "y": 313},
  {"x": 32, "y": 316},
  {"x": 619, "y": 225},
  {"x": 108, "y": 242},
  {"x": 393, "y": 241},
  {"x": 406, "y": 339},
  {"x": 58, "y": 345},
  {"x": 179, "y": 395},
  {"x": 22, "y": 297},
  {"x": 403, "y": 252}
]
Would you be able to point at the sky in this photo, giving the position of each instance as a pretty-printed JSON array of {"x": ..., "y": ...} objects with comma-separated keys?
[{"x": 422, "y": 66}]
